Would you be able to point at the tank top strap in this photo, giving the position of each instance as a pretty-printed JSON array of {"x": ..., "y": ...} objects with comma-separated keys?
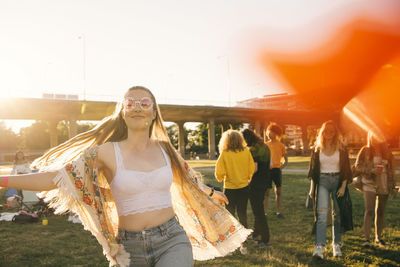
[
  {"x": 167, "y": 159},
  {"x": 118, "y": 156}
]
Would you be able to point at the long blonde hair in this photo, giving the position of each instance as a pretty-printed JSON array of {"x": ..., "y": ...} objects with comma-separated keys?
[
  {"x": 320, "y": 142},
  {"x": 111, "y": 129},
  {"x": 382, "y": 146},
  {"x": 231, "y": 140}
]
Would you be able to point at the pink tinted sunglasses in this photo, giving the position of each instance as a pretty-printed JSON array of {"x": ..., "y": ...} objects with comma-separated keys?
[{"x": 145, "y": 103}]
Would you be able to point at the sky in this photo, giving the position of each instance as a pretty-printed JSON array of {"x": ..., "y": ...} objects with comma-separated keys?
[{"x": 186, "y": 52}]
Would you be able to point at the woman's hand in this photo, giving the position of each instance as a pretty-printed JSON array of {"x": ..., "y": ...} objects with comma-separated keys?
[
  {"x": 220, "y": 197},
  {"x": 341, "y": 191},
  {"x": 395, "y": 191}
]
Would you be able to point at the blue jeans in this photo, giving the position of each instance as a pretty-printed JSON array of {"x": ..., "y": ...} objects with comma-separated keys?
[
  {"x": 327, "y": 188},
  {"x": 165, "y": 245}
]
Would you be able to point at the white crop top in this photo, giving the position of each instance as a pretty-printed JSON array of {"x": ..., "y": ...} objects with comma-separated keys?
[
  {"x": 138, "y": 191},
  {"x": 329, "y": 164}
]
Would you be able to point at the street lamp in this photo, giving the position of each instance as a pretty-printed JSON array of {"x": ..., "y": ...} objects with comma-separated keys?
[{"x": 228, "y": 74}]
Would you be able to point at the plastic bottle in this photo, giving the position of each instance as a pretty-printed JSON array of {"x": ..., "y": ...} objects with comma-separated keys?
[{"x": 44, "y": 220}]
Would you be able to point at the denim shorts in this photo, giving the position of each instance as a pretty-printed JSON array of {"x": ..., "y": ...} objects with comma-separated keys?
[{"x": 165, "y": 245}]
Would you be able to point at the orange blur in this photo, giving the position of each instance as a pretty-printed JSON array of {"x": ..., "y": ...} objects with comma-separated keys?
[{"x": 357, "y": 67}]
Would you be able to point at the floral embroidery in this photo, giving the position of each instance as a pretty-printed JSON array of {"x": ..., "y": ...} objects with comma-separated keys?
[
  {"x": 87, "y": 200},
  {"x": 78, "y": 184},
  {"x": 68, "y": 167},
  {"x": 208, "y": 225}
]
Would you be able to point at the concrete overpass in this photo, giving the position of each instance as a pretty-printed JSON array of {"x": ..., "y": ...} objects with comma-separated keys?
[{"x": 54, "y": 110}]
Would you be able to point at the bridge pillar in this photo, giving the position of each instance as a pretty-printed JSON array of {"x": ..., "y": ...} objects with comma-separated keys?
[
  {"x": 181, "y": 138},
  {"x": 264, "y": 131},
  {"x": 72, "y": 128},
  {"x": 211, "y": 139},
  {"x": 304, "y": 137},
  {"x": 257, "y": 127},
  {"x": 53, "y": 132}
]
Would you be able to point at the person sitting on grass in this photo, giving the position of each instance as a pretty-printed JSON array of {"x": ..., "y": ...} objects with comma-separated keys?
[
  {"x": 278, "y": 150},
  {"x": 134, "y": 192},
  {"x": 20, "y": 166}
]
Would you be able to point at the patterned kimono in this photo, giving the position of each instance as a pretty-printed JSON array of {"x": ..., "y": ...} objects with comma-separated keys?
[{"x": 212, "y": 230}]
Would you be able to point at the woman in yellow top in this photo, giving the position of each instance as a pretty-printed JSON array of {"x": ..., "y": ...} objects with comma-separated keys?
[{"x": 235, "y": 166}]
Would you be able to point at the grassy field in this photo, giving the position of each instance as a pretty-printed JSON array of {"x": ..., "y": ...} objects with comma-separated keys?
[
  {"x": 295, "y": 163},
  {"x": 63, "y": 243}
]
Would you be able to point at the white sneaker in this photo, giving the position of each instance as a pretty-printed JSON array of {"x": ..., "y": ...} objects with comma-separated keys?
[
  {"x": 336, "y": 250},
  {"x": 243, "y": 250},
  {"x": 319, "y": 252}
]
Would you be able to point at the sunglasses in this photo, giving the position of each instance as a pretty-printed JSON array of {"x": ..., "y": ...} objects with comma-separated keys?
[{"x": 145, "y": 103}]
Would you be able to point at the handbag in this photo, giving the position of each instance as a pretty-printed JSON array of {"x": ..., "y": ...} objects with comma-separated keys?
[
  {"x": 309, "y": 202},
  {"x": 24, "y": 218},
  {"x": 357, "y": 183}
]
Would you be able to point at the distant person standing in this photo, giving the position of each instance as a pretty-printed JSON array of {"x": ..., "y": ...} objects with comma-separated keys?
[
  {"x": 235, "y": 166},
  {"x": 375, "y": 164},
  {"x": 20, "y": 166},
  {"x": 278, "y": 151}
]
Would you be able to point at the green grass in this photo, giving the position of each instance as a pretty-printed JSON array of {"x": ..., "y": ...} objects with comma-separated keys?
[
  {"x": 295, "y": 163},
  {"x": 62, "y": 243},
  {"x": 201, "y": 163}
]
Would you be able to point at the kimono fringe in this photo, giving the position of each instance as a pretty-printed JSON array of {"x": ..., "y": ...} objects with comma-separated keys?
[
  {"x": 224, "y": 248},
  {"x": 64, "y": 199}
]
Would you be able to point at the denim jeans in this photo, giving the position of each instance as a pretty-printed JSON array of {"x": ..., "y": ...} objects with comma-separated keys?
[
  {"x": 327, "y": 188},
  {"x": 165, "y": 245}
]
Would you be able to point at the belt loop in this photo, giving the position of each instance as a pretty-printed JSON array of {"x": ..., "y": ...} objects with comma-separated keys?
[{"x": 163, "y": 230}]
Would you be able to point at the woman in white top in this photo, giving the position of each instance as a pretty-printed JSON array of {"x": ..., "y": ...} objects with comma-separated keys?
[
  {"x": 150, "y": 187},
  {"x": 330, "y": 172}
]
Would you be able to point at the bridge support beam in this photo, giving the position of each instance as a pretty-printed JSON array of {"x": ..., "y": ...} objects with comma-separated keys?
[
  {"x": 181, "y": 138},
  {"x": 53, "y": 132},
  {"x": 211, "y": 139},
  {"x": 72, "y": 128}
]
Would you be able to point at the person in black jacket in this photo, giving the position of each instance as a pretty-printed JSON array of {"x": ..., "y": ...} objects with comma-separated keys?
[
  {"x": 258, "y": 185},
  {"x": 330, "y": 172}
]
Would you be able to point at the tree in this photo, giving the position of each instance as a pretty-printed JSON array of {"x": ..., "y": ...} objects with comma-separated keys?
[
  {"x": 9, "y": 140},
  {"x": 172, "y": 132},
  {"x": 36, "y": 136}
]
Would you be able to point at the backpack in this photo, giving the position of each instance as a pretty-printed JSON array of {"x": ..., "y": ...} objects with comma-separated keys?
[{"x": 25, "y": 218}]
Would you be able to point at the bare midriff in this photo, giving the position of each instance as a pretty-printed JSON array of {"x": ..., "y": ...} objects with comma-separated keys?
[{"x": 145, "y": 220}]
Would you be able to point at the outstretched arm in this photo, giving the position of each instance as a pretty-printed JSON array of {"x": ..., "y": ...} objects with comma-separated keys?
[
  {"x": 215, "y": 194},
  {"x": 42, "y": 181}
]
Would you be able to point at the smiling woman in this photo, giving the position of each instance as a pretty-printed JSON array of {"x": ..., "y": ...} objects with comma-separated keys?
[{"x": 125, "y": 180}]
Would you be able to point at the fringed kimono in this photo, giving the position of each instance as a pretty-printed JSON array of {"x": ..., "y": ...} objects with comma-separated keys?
[{"x": 212, "y": 230}]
